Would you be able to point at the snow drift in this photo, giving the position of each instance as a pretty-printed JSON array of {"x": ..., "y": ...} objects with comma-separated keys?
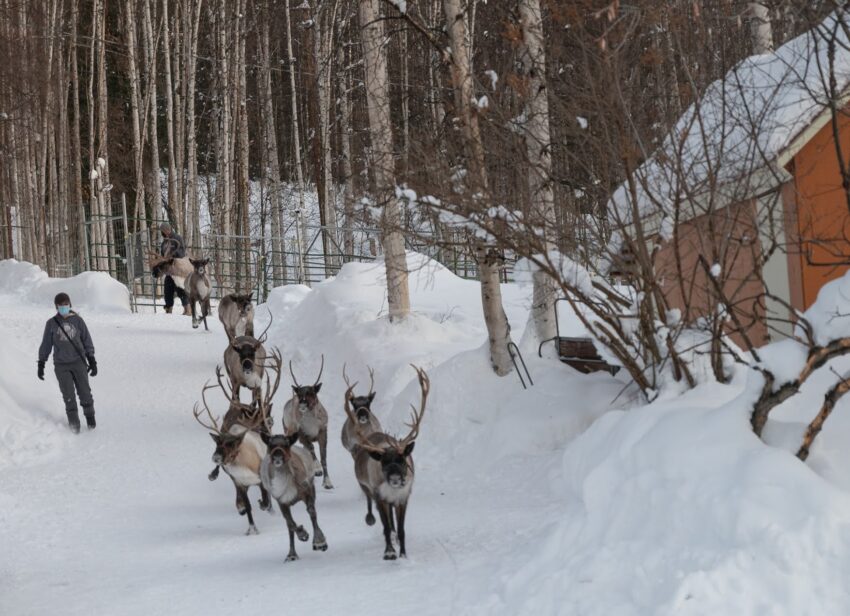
[{"x": 95, "y": 291}]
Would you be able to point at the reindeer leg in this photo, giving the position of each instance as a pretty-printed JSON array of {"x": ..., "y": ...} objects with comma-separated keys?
[
  {"x": 265, "y": 502},
  {"x": 205, "y": 311},
  {"x": 252, "y": 529},
  {"x": 194, "y": 317},
  {"x": 323, "y": 452},
  {"x": 319, "y": 541},
  {"x": 293, "y": 529},
  {"x": 401, "y": 511},
  {"x": 308, "y": 444},
  {"x": 370, "y": 519},
  {"x": 240, "y": 498},
  {"x": 386, "y": 515}
]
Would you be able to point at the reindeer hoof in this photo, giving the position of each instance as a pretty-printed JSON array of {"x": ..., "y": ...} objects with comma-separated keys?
[
  {"x": 265, "y": 506},
  {"x": 291, "y": 557},
  {"x": 213, "y": 474},
  {"x": 327, "y": 485},
  {"x": 320, "y": 547},
  {"x": 302, "y": 534},
  {"x": 390, "y": 556},
  {"x": 252, "y": 530},
  {"x": 370, "y": 519}
]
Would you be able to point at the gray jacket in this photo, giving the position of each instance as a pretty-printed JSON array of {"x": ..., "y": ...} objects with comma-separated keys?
[{"x": 68, "y": 343}]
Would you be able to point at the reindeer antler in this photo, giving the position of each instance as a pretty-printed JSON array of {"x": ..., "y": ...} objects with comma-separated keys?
[
  {"x": 362, "y": 439},
  {"x": 371, "y": 380},
  {"x": 416, "y": 418},
  {"x": 321, "y": 369},
  {"x": 294, "y": 380},
  {"x": 276, "y": 366},
  {"x": 262, "y": 337},
  {"x": 197, "y": 411},
  {"x": 228, "y": 391},
  {"x": 345, "y": 376}
]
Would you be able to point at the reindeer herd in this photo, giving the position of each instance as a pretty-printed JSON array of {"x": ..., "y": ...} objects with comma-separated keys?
[{"x": 284, "y": 466}]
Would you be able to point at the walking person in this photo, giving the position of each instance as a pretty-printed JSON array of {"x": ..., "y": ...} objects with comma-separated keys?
[
  {"x": 173, "y": 246},
  {"x": 67, "y": 336}
]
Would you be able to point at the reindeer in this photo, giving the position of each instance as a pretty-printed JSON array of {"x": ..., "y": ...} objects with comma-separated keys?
[
  {"x": 366, "y": 420},
  {"x": 307, "y": 416},
  {"x": 242, "y": 417},
  {"x": 236, "y": 313},
  {"x": 384, "y": 468},
  {"x": 241, "y": 454},
  {"x": 199, "y": 288},
  {"x": 287, "y": 475},
  {"x": 243, "y": 360},
  {"x": 179, "y": 268}
]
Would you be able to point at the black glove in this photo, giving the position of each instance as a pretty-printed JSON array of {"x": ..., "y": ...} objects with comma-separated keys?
[
  {"x": 41, "y": 370},
  {"x": 92, "y": 365}
]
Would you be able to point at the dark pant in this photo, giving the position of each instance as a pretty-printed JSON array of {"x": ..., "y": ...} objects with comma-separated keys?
[
  {"x": 170, "y": 289},
  {"x": 73, "y": 377}
]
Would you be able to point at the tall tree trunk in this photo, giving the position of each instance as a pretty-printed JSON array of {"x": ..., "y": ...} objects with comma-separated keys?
[
  {"x": 135, "y": 105},
  {"x": 489, "y": 261},
  {"x": 190, "y": 58},
  {"x": 300, "y": 214},
  {"x": 541, "y": 321},
  {"x": 345, "y": 146},
  {"x": 151, "y": 74},
  {"x": 380, "y": 132},
  {"x": 762, "y": 29}
]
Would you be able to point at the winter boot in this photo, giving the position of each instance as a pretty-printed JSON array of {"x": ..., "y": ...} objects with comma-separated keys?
[
  {"x": 168, "y": 310},
  {"x": 74, "y": 421},
  {"x": 90, "y": 422},
  {"x": 187, "y": 311}
]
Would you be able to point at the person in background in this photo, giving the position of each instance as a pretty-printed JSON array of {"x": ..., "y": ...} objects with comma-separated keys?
[
  {"x": 67, "y": 336},
  {"x": 173, "y": 246}
]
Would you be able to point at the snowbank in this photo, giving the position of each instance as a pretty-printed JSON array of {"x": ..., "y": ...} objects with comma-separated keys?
[
  {"x": 677, "y": 508},
  {"x": 92, "y": 291}
]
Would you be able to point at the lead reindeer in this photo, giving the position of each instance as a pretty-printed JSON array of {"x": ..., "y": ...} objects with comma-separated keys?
[
  {"x": 287, "y": 475},
  {"x": 236, "y": 313},
  {"x": 241, "y": 452},
  {"x": 366, "y": 420},
  {"x": 384, "y": 468},
  {"x": 199, "y": 289},
  {"x": 306, "y": 415},
  {"x": 244, "y": 358}
]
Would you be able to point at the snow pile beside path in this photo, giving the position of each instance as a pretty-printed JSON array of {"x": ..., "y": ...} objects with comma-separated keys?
[
  {"x": 471, "y": 411},
  {"x": 28, "y": 432},
  {"x": 677, "y": 508},
  {"x": 93, "y": 291}
]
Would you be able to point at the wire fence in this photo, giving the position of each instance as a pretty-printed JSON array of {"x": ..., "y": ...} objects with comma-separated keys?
[{"x": 307, "y": 255}]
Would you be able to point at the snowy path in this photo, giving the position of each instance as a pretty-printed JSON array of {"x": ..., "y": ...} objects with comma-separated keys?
[{"x": 124, "y": 521}]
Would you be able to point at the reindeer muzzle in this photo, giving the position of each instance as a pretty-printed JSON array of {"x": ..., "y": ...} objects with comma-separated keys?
[
  {"x": 247, "y": 365},
  {"x": 396, "y": 481},
  {"x": 217, "y": 458},
  {"x": 363, "y": 415}
]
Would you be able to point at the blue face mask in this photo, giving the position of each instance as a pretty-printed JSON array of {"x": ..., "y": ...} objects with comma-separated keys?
[{"x": 64, "y": 310}]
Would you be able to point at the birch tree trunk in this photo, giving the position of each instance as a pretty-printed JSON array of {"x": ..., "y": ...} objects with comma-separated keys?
[
  {"x": 244, "y": 184},
  {"x": 489, "y": 261},
  {"x": 762, "y": 29},
  {"x": 380, "y": 132},
  {"x": 151, "y": 46},
  {"x": 271, "y": 167},
  {"x": 135, "y": 104},
  {"x": 175, "y": 207},
  {"x": 301, "y": 232},
  {"x": 541, "y": 319},
  {"x": 345, "y": 146},
  {"x": 192, "y": 205}
]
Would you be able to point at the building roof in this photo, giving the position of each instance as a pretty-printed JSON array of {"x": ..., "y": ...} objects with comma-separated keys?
[{"x": 727, "y": 146}]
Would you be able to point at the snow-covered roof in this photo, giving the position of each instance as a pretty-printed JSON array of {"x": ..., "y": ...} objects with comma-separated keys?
[{"x": 725, "y": 147}]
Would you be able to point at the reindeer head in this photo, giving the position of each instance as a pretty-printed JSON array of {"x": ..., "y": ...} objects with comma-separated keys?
[
  {"x": 279, "y": 447},
  {"x": 362, "y": 404},
  {"x": 226, "y": 447},
  {"x": 200, "y": 266},
  {"x": 394, "y": 457},
  {"x": 246, "y": 347},
  {"x": 308, "y": 395},
  {"x": 243, "y": 303},
  {"x": 159, "y": 264}
]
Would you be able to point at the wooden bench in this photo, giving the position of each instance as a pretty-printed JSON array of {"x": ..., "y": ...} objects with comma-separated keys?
[{"x": 581, "y": 354}]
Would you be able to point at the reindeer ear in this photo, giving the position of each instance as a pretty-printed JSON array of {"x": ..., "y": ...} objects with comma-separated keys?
[
  {"x": 294, "y": 389},
  {"x": 372, "y": 396},
  {"x": 215, "y": 438},
  {"x": 205, "y": 261},
  {"x": 376, "y": 456},
  {"x": 291, "y": 439},
  {"x": 318, "y": 387},
  {"x": 266, "y": 438},
  {"x": 409, "y": 449}
]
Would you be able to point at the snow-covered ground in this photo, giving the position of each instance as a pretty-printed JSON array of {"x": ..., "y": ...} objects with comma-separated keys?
[{"x": 552, "y": 500}]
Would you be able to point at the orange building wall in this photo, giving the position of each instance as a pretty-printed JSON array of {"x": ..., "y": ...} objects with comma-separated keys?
[{"x": 822, "y": 214}]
